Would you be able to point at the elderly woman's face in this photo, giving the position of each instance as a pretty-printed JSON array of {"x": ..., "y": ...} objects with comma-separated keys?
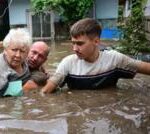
[{"x": 16, "y": 54}]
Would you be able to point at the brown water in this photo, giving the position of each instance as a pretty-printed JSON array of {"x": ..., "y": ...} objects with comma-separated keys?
[{"x": 121, "y": 110}]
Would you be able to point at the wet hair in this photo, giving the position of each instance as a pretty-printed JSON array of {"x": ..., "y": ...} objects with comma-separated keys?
[
  {"x": 87, "y": 26},
  {"x": 18, "y": 35}
]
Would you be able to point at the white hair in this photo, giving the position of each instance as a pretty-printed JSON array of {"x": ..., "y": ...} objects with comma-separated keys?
[{"x": 19, "y": 35}]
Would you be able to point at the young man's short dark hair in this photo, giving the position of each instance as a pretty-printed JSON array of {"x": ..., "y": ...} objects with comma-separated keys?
[{"x": 87, "y": 26}]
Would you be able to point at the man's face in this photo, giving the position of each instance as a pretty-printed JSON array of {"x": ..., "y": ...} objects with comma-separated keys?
[
  {"x": 16, "y": 54},
  {"x": 84, "y": 47},
  {"x": 37, "y": 56}
]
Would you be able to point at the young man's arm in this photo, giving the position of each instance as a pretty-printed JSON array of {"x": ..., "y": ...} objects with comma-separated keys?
[
  {"x": 49, "y": 87},
  {"x": 58, "y": 77},
  {"x": 143, "y": 67},
  {"x": 53, "y": 82}
]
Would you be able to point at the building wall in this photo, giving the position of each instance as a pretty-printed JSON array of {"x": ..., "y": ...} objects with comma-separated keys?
[
  {"x": 17, "y": 12},
  {"x": 106, "y": 9},
  {"x": 147, "y": 8},
  {"x": 107, "y": 13}
]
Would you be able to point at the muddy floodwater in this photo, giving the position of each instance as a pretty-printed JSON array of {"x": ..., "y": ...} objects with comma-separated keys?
[{"x": 121, "y": 110}]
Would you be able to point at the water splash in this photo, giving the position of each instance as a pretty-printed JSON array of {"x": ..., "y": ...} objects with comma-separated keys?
[
  {"x": 136, "y": 118},
  {"x": 102, "y": 126}
]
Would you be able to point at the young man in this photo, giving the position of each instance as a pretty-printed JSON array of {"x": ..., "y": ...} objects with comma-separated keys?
[
  {"x": 90, "y": 68},
  {"x": 36, "y": 58}
]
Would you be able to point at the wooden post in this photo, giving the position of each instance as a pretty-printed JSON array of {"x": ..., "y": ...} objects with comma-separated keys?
[
  {"x": 52, "y": 31},
  {"x": 52, "y": 26}
]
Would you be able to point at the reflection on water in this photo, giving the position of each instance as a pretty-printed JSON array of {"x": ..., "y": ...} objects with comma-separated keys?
[
  {"x": 17, "y": 109},
  {"x": 55, "y": 126},
  {"x": 122, "y": 110},
  {"x": 100, "y": 126},
  {"x": 109, "y": 111}
]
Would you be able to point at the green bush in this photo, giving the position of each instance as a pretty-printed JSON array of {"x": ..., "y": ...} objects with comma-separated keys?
[{"x": 134, "y": 39}]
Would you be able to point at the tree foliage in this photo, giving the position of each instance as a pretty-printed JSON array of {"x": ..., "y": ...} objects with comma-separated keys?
[
  {"x": 70, "y": 10},
  {"x": 134, "y": 39}
]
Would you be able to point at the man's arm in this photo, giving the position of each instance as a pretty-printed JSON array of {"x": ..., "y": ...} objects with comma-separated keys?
[
  {"x": 143, "y": 67},
  {"x": 49, "y": 87},
  {"x": 53, "y": 82},
  {"x": 58, "y": 77}
]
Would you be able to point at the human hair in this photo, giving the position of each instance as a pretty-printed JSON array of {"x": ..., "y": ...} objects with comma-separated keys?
[
  {"x": 87, "y": 26},
  {"x": 18, "y": 35}
]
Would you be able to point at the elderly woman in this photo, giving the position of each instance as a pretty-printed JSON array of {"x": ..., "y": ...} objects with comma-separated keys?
[{"x": 13, "y": 66}]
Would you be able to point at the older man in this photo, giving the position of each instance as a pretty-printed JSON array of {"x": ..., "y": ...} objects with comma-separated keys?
[{"x": 36, "y": 58}]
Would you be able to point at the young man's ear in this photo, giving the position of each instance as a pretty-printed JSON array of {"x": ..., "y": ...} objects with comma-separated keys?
[{"x": 97, "y": 41}]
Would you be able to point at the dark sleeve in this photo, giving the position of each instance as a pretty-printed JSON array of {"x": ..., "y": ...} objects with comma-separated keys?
[
  {"x": 39, "y": 78},
  {"x": 3, "y": 89}
]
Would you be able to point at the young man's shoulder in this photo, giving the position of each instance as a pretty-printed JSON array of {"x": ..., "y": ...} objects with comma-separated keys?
[
  {"x": 112, "y": 52},
  {"x": 70, "y": 57}
]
